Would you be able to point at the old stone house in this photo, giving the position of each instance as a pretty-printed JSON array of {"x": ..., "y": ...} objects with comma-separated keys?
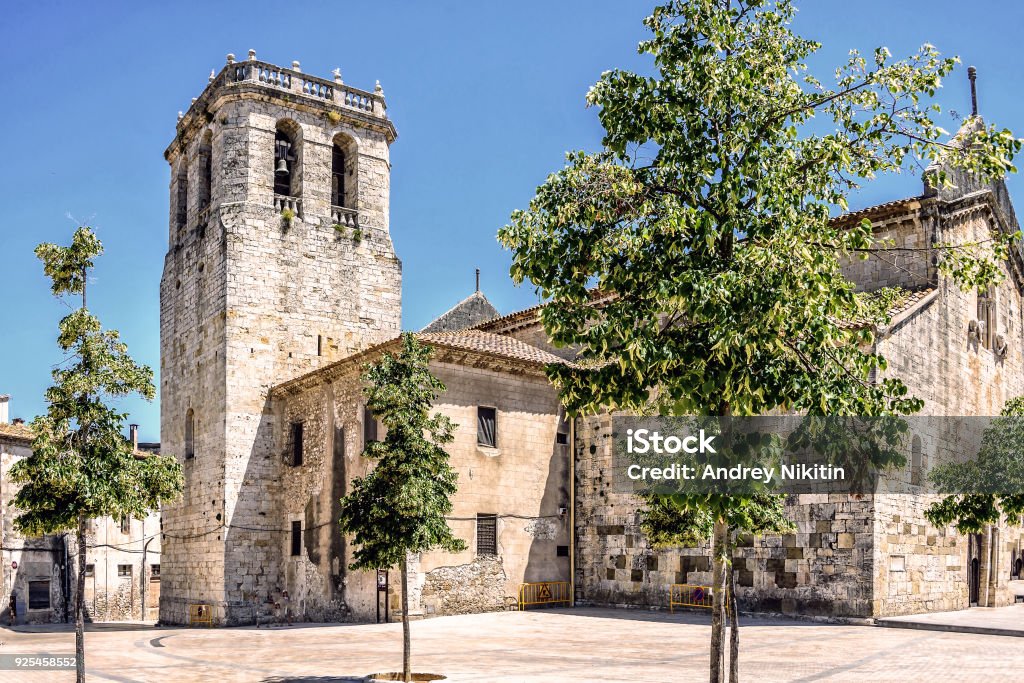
[
  {"x": 122, "y": 581},
  {"x": 281, "y": 279}
]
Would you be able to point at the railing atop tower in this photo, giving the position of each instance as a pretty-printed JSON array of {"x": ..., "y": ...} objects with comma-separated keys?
[
  {"x": 345, "y": 216},
  {"x": 295, "y": 81}
]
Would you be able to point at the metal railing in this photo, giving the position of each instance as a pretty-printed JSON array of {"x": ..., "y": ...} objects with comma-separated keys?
[
  {"x": 200, "y": 615},
  {"x": 545, "y": 593},
  {"x": 690, "y": 595}
]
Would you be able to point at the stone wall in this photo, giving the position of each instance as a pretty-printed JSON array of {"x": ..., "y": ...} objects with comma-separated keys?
[{"x": 524, "y": 481}]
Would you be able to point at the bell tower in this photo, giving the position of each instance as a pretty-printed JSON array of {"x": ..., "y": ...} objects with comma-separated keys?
[{"x": 279, "y": 261}]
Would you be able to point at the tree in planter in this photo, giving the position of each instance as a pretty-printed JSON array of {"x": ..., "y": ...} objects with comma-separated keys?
[
  {"x": 705, "y": 219},
  {"x": 401, "y": 506},
  {"x": 82, "y": 467}
]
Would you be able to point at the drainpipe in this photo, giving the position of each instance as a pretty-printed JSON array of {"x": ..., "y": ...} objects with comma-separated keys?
[
  {"x": 142, "y": 573},
  {"x": 572, "y": 511}
]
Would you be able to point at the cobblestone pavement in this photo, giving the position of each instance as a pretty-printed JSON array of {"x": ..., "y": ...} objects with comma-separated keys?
[{"x": 566, "y": 646}]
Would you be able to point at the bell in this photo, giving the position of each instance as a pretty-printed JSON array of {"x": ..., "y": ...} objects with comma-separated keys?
[{"x": 282, "y": 167}]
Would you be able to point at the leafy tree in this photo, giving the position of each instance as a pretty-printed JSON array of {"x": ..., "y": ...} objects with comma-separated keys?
[
  {"x": 705, "y": 220},
  {"x": 82, "y": 467},
  {"x": 989, "y": 487},
  {"x": 401, "y": 506}
]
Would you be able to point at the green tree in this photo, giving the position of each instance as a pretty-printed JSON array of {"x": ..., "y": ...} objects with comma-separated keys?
[
  {"x": 705, "y": 220},
  {"x": 82, "y": 466},
  {"x": 989, "y": 487},
  {"x": 401, "y": 506}
]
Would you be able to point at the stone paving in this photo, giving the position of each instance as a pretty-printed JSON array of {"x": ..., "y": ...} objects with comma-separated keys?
[
  {"x": 567, "y": 646},
  {"x": 1004, "y": 621}
]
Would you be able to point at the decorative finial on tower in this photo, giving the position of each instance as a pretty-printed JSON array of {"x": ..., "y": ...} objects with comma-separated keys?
[
  {"x": 231, "y": 58},
  {"x": 337, "y": 76},
  {"x": 972, "y": 74},
  {"x": 194, "y": 100},
  {"x": 296, "y": 66},
  {"x": 180, "y": 115},
  {"x": 477, "y": 279},
  {"x": 379, "y": 90},
  {"x": 252, "y": 55},
  {"x": 213, "y": 75}
]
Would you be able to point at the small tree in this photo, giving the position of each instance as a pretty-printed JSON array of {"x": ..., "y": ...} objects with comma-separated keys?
[
  {"x": 705, "y": 220},
  {"x": 82, "y": 466},
  {"x": 401, "y": 506},
  {"x": 989, "y": 487}
]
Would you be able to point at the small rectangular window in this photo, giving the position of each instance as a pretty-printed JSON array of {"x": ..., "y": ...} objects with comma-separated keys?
[
  {"x": 296, "y": 539},
  {"x": 39, "y": 594},
  {"x": 562, "y": 551},
  {"x": 126, "y": 524},
  {"x": 486, "y": 534},
  {"x": 296, "y": 444},
  {"x": 154, "y": 572},
  {"x": 562, "y": 437},
  {"x": 124, "y": 570},
  {"x": 90, "y": 570},
  {"x": 369, "y": 426},
  {"x": 486, "y": 426}
]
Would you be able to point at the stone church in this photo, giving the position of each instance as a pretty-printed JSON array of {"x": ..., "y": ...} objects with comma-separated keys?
[{"x": 281, "y": 280}]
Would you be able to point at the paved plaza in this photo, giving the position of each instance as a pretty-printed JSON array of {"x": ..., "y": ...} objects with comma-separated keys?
[{"x": 553, "y": 645}]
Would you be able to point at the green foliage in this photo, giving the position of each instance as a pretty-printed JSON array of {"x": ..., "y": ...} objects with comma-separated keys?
[
  {"x": 669, "y": 522},
  {"x": 357, "y": 234},
  {"x": 989, "y": 487},
  {"x": 81, "y": 464},
  {"x": 706, "y": 217},
  {"x": 288, "y": 216},
  {"x": 401, "y": 506}
]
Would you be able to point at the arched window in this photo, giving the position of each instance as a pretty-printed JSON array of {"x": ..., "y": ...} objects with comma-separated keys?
[
  {"x": 337, "y": 176},
  {"x": 287, "y": 159},
  {"x": 915, "y": 461},
  {"x": 206, "y": 168},
  {"x": 181, "y": 201},
  {"x": 190, "y": 428},
  {"x": 343, "y": 172},
  {"x": 987, "y": 317}
]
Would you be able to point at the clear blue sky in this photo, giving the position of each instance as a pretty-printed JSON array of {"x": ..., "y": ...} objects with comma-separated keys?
[{"x": 486, "y": 97}]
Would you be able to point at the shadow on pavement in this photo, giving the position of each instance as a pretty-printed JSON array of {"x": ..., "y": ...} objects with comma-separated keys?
[
  {"x": 314, "y": 679},
  {"x": 89, "y": 627},
  {"x": 679, "y": 617}
]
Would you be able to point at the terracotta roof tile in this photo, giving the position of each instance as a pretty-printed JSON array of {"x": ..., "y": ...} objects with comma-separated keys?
[
  {"x": 22, "y": 432},
  {"x": 494, "y": 344}
]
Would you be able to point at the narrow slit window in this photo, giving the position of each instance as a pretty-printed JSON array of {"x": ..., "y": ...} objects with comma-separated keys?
[
  {"x": 486, "y": 534},
  {"x": 297, "y": 453},
  {"x": 486, "y": 426},
  {"x": 190, "y": 434},
  {"x": 369, "y": 426},
  {"x": 296, "y": 539}
]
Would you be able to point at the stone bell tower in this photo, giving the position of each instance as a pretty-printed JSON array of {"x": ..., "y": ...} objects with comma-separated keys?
[{"x": 279, "y": 261}]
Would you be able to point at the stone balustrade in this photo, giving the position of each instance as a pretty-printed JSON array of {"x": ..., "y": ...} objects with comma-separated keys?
[
  {"x": 264, "y": 73},
  {"x": 293, "y": 204},
  {"x": 344, "y": 216}
]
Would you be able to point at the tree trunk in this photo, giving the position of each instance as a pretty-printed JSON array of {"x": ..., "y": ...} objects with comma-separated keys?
[
  {"x": 406, "y": 644},
  {"x": 80, "y": 605},
  {"x": 718, "y": 556},
  {"x": 734, "y": 628}
]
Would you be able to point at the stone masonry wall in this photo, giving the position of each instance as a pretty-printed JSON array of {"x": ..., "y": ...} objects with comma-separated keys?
[{"x": 523, "y": 481}]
